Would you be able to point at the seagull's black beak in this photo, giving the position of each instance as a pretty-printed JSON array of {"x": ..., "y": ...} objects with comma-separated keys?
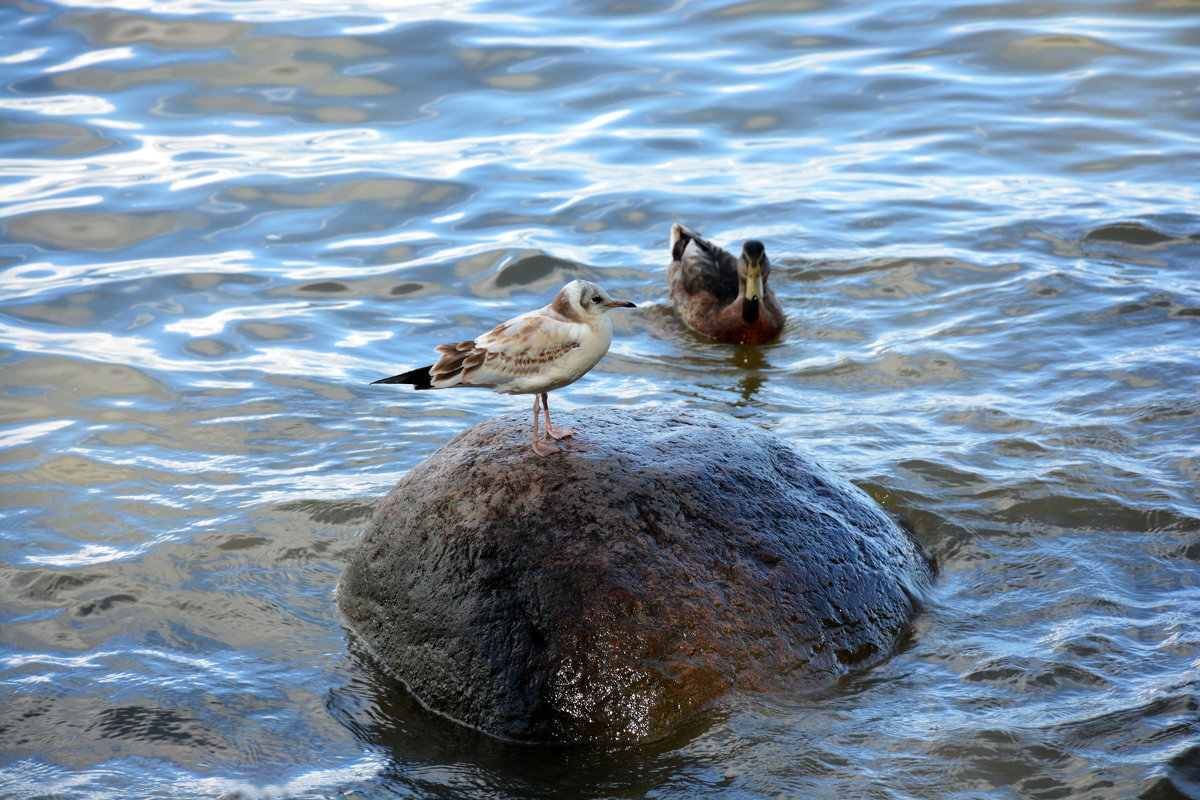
[{"x": 620, "y": 304}]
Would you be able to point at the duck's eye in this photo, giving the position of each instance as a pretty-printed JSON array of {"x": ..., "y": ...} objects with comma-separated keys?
[{"x": 596, "y": 299}]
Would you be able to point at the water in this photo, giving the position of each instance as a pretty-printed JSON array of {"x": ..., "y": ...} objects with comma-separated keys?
[{"x": 221, "y": 220}]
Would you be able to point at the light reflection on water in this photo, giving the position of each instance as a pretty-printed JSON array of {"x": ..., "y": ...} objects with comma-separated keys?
[{"x": 222, "y": 221}]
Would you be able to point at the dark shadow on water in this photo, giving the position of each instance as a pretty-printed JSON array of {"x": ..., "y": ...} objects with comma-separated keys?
[
  {"x": 1136, "y": 234},
  {"x": 437, "y": 757}
]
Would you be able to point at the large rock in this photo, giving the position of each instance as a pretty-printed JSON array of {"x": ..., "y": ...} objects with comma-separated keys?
[{"x": 608, "y": 591}]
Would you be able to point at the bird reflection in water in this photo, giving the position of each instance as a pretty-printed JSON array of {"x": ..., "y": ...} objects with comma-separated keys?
[{"x": 752, "y": 365}]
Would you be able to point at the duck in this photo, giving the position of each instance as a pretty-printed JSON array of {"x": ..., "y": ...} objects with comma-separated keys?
[
  {"x": 723, "y": 297},
  {"x": 533, "y": 353}
]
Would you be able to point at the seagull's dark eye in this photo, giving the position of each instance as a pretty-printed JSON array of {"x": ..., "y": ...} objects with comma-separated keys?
[{"x": 596, "y": 299}]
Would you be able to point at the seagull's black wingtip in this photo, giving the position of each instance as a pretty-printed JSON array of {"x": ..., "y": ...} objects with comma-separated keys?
[{"x": 419, "y": 378}]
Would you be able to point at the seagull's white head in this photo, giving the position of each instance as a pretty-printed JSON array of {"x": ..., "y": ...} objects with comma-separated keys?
[{"x": 580, "y": 300}]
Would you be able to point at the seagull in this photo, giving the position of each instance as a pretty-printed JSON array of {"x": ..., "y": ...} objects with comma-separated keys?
[
  {"x": 723, "y": 297},
  {"x": 534, "y": 353}
]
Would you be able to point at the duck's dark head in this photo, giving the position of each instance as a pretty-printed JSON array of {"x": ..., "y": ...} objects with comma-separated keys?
[{"x": 754, "y": 269}]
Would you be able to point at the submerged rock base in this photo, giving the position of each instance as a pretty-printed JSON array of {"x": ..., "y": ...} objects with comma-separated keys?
[{"x": 607, "y": 592}]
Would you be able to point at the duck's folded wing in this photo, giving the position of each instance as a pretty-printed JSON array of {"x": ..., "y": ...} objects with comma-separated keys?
[
  {"x": 705, "y": 267},
  {"x": 522, "y": 346}
]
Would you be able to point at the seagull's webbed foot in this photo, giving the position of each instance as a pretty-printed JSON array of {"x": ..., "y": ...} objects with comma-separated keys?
[
  {"x": 551, "y": 431},
  {"x": 559, "y": 433},
  {"x": 543, "y": 448}
]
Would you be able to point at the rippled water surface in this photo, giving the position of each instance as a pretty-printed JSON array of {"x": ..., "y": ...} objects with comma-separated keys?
[{"x": 221, "y": 220}]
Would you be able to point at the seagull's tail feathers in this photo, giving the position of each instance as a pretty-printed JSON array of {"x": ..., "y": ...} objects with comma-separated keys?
[{"x": 419, "y": 378}]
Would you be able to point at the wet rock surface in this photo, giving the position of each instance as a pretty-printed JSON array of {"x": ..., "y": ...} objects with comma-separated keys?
[{"x": 609, "y": 591}]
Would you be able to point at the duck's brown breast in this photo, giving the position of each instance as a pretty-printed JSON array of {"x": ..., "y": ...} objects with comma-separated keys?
[{"x": 729, "y": 324}]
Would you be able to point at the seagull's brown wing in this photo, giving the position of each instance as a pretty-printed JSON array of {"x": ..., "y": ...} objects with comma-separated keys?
[{"x": 524, "y": 345}]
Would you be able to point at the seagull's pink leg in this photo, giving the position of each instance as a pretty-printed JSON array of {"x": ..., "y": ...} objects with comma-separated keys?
[
  {"x": 557, "y": 433},
  {"x": 539, "y": 447}
]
